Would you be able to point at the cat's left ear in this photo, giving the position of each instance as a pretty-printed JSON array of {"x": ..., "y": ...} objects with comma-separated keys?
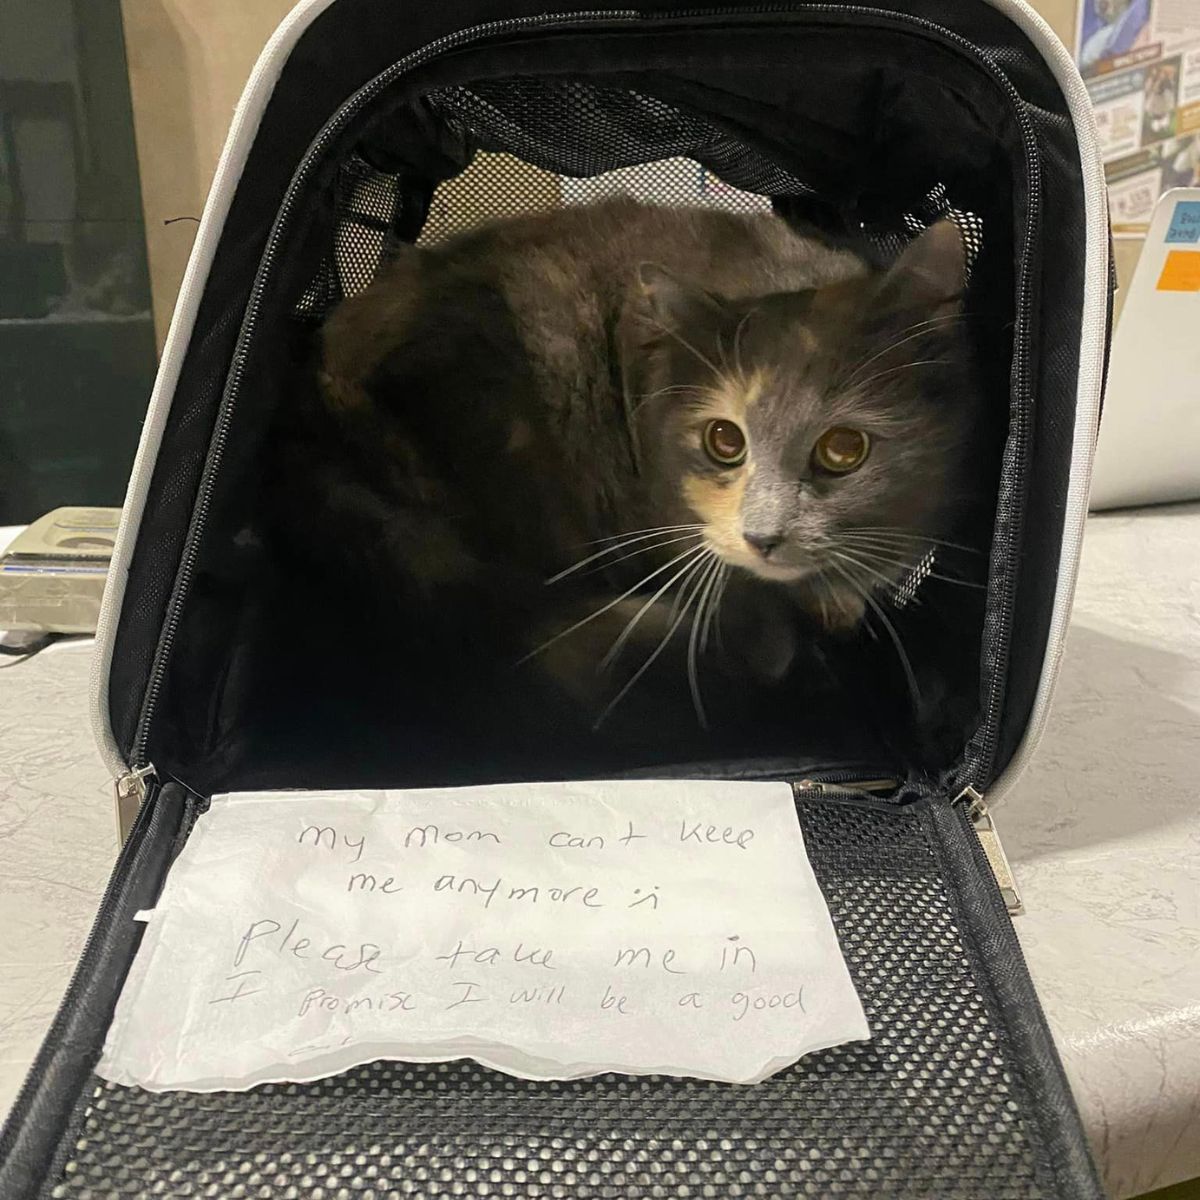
[
  {"x": 929, "y": 276},
  {"x": 672, "y": 302},
  {"x": 660, "y": 304}
]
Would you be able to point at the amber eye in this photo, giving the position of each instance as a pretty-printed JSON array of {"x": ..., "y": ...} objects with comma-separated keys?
[
  {"x": 724, "y": 443},
  {"x": 841, "y": 450}
]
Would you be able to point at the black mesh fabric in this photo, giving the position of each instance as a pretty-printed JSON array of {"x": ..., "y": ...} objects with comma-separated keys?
[
  {"x": 540, "y": 120},
  {"x": 932, "y": 1105},
  {"x": 367, "y": 207},
  {"x": 544, "y": 143},
  {"x": 501, "y": 185}
]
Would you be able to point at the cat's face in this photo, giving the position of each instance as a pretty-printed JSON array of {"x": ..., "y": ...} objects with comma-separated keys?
[{"x": 813, "y": 433}]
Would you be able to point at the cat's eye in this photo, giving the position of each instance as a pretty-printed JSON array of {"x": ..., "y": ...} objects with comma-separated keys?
[
  {"x": 841, "y": 450},
  {"x": 725, "y": 443}
]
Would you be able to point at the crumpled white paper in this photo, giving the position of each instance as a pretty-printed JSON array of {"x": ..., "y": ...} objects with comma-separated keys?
[{"x": 547, "y": 930}]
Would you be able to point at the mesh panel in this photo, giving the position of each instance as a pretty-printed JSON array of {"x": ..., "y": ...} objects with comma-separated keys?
[
  {"x": 367, "y": 203},
  {"x": 904, "y": 595},
  {"x": 542, "y": 121},
  {"x": 499, "y": 185},
  {"x": 548, "y": 142},
  {"x": 928, "y": 1107},
  {"x": 494, "y": 186}
]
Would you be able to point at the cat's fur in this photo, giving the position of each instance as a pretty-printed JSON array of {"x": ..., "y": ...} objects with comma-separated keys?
[{"x": 498, "y": 404}]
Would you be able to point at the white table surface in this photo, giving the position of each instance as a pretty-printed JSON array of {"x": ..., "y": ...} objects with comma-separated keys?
[{"x": 1104, "y": 834}]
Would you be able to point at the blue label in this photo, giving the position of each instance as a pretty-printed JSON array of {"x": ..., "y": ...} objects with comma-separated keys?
[{"x": 1185, "y": 222}]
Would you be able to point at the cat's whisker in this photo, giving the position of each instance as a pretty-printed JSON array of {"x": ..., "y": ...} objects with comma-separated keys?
[
  {"x": 710, "y": 614},
  {"x": 862, "y": 385},
  {"x": 820, "y": 577},
  {"x": 737, "y": 346},
  {"x": 609, "y": 606},
  {"x": 704, "y": 562},
  {"x": 674, "y": 333},
  {"x": 679, "y": 596},
  {"x": 654, "y": 545},
  {"x": 722, "y": 356},
  {"x": 888, "y": 555},
  {"x": 650, "y": 660},
  {"x": 678, "y": 389},
  {"x": 909, "y": 674},
  {"x": 899, "y": 549},
  {"x": 707, "y": 584},
  {"x": 891, "y": 584},
  {"x": 700, "y": 554},
  {"x": 711, "y": 598},
  {"x": 716, "y": 621},
  {"x": 824, "y": 580},
  {"x": 616, "y": 537},
  {"x": 884, "y": 531},
  {"x": 907, "y": 545},
  {"x": 920, "y": 329},
  {"x": 906, "y": 566},
  {"x": 643, "y": 550},
  {"x": 892, "y": 548}
]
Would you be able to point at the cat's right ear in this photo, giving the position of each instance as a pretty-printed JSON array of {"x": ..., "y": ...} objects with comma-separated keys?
[
  {"x": 672, "y": 302},
  {"x": 930, "y": 274}
]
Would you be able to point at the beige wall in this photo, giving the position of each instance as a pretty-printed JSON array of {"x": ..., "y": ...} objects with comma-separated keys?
[{"x": 188, "y": 63}]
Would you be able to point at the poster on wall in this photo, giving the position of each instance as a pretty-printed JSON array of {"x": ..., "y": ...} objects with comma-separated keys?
[{"x": 1141, "y": 62}]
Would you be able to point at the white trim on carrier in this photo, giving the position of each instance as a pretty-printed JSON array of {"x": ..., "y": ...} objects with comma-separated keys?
[
  {"x": 237, "y": 147},
  {"x": 246, "y": 120}
]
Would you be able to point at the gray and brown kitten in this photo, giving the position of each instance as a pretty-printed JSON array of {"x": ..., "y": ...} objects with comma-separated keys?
[{"x": 692, "y": 421}]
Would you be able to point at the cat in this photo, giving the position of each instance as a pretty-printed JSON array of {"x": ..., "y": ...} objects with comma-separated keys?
[{"x": 594, "y": 438}]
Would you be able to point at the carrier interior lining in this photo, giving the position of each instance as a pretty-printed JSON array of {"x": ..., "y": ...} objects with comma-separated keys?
[{"x": 299, "y": 698}]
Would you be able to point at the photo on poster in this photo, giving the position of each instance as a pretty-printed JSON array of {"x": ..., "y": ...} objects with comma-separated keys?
[
  {"x": 1189, "y": 75},
  {"x": 1181, "y": 162},
  {"x": 1161, "y": 98},
  {"x": 1134, "y": 185},
  {"x": 1141, "y": 63},
  {"x": 1119, "y": 101},
  {"x": 1109, "y": 28}
]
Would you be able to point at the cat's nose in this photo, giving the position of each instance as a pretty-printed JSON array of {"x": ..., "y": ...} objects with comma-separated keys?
[{"x": 764, "y": 543}]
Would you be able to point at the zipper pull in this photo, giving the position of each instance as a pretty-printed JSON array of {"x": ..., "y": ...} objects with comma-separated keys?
[
  {"x": 130, "y": 792},
  {"x": 989, "y": 839},
  {"x": 870, "y": 789}
]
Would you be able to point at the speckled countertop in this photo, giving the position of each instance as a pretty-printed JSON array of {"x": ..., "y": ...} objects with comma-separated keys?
[{"x": 1103, "y": 831}]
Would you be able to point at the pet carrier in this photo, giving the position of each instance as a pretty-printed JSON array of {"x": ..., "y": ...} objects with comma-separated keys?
[{"x": 222, "y": 665}]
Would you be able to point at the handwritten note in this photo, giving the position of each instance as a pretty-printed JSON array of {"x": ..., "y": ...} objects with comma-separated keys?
[{"x": 546, "y": 930}]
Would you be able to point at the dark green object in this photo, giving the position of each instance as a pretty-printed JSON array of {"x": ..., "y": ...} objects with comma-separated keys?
[{"x": 77, "y": 355}]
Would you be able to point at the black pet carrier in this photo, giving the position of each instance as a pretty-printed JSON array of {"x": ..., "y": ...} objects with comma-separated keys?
[{"x": 223, "y": 666}]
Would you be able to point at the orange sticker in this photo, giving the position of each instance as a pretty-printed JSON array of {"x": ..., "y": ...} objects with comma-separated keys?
[{"x": 1181, "y": 272}]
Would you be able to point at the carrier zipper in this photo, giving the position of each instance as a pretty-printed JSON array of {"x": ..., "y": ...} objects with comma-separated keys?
[
  {"x": 835, "y": 785},
  {"x": 216, "y": 450},
  {"x": 979, "y": 759},
  {"x": 979, "y": 764},
  {"x": 130, "y": 792},
  {"x": 993, "y": 848},
  {"x": 147, "y": 818}
]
